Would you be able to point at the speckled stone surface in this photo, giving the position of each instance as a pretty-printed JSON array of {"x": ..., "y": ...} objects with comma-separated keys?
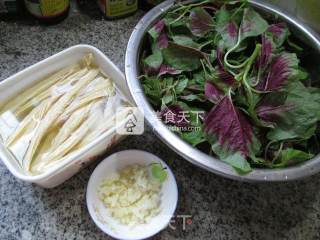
[{"x": 220, "y": 208}]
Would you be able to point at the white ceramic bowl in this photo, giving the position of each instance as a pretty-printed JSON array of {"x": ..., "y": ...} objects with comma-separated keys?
[{"x": 99, "y": 213}]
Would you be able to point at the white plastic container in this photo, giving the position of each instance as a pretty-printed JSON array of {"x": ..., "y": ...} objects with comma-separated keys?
[{"x": 13, "y": 85}]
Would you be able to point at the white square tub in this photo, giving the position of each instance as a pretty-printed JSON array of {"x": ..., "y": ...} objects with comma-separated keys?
[{"x": 35, "y": 73}]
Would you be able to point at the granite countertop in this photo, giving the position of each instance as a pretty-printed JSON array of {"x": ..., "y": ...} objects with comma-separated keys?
[{"x": 219, "y": 208}]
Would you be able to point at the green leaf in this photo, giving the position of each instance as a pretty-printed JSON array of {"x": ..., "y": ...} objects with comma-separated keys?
[
  {"x": 300, "y": 74},
  {"x": 301, "y": 120},
  {"x": 155, "y": 60},
  {"x": 252, "y": 24},
  {"x": 290, "y": 156},
  {"x": 172, "y": 19},
  {"x": 213, "y": 55},
  {"x": 236, "y": 160},
  {"x": 167, "y": 99},
  {"x": 185, "y": 41},
  {"x": 158, "y": 172},
  {"x": 315, "y": 92},
  {"x": 182, "y": 84},
  {"x": 182, "y": 58},
  {"x": 192, "y": 97},
  {"x": 194, "y": 137},
  {"x": 199, "y": 79},
  {"x": 222, "y": 17},
  {"x": 239, "y": 163},
  {"x": 167, "y": 82},
  {"x": 152, "y": 88}
]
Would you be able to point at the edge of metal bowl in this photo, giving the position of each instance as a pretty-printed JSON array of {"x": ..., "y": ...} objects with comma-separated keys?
[{"x": 188, "y": 152}]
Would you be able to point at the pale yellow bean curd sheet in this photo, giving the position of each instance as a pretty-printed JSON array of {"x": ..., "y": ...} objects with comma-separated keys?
[{"x": 60, "y": 115}]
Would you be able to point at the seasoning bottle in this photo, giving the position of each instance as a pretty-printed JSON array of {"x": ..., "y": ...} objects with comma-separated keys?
[
  {"x": 148, "y": 4},
  {"x": 48, "y": 11},
  {"x": 11, "y": 9},
  {"x": 113, "y": 9}
]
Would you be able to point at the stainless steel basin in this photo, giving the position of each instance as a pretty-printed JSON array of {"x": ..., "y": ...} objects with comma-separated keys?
[{"x": 190, "y": 153}]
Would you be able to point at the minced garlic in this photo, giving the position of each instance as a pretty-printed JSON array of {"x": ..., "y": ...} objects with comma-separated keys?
[{"x": 132, "y": 196}]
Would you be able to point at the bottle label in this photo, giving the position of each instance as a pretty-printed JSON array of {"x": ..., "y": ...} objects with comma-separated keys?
[
  {"x": 46, "y": 8},
  {"x": 154, "y": 2},
  {"x": 8, "y": 6},
  {"x": 116, "y": 8}
]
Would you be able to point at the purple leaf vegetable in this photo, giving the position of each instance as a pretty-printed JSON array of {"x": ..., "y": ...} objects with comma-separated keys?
[
  {"x": 157, "y": 29},
  {"x": 229, "y": 34},
  {"x": 227, "y": 28},
  {"x": 165, "y": 69},
  {"x": 271, "y": 113},
  {"x": 162, "y": 41},
  {"x": 277, "y": 29},
  {"x": 229, "y": 126},
  {"x": 252, "y": 24},
  {"x": 212, "y": 92},
  {"x": 153, "y": 63},
  {"x": 266, "y": 52},
  {"x": 282, "y": 67},
  {"x": 200, "y": 22},
  {"x": 225, "y": 76},
  {"x": 275, "y": 36},
  {"x": 279, "y": 33},
  {"x": 232, "y": 30}
]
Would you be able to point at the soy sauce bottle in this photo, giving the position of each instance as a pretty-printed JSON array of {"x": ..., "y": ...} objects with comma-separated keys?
[{"x": 48, "y": 11}]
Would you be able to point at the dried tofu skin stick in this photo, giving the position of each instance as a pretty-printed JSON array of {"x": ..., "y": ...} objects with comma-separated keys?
[
  {"x": 107, "y": 123},
  {"x": 88, "y": 61},
  {"x": 73, "y": 122},
  {"x": 31, "y": 121},
  {"x": 43, "y": 85},
  {"x": 104, "y": 88},
  {"x": 67, "y": 146},
  {"x": 54, "y": 113},
  {"x": 69, "y": 143},
  {"x": 26, "y": 129},
  {"x": 64, "y": 84}
]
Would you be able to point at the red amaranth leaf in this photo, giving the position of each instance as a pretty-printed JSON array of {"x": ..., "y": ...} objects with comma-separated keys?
[
  {"x": 266, "y": 52},
  {"x": 163, "y": 40},
  {"x": 229, "y": 126},
  {"x": 165, "y": 69},
  {"x": 277, "y": 29},
  {"x": 200, "y": 22},
  {"x": 150, "y": 70},
  {"x": 225, "y": 76},
  {"x": 271, "y": 113},
  {"x": 229, "y": 34},
  {"x": 279, "y": 72},
  {"x": 279, "y": 33},
  {"x": 252, "y": 24},
  {"x": 232, "y": 30},
  {"x": 156, "y": 30},
  {"x": 212, "y": 92}
]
